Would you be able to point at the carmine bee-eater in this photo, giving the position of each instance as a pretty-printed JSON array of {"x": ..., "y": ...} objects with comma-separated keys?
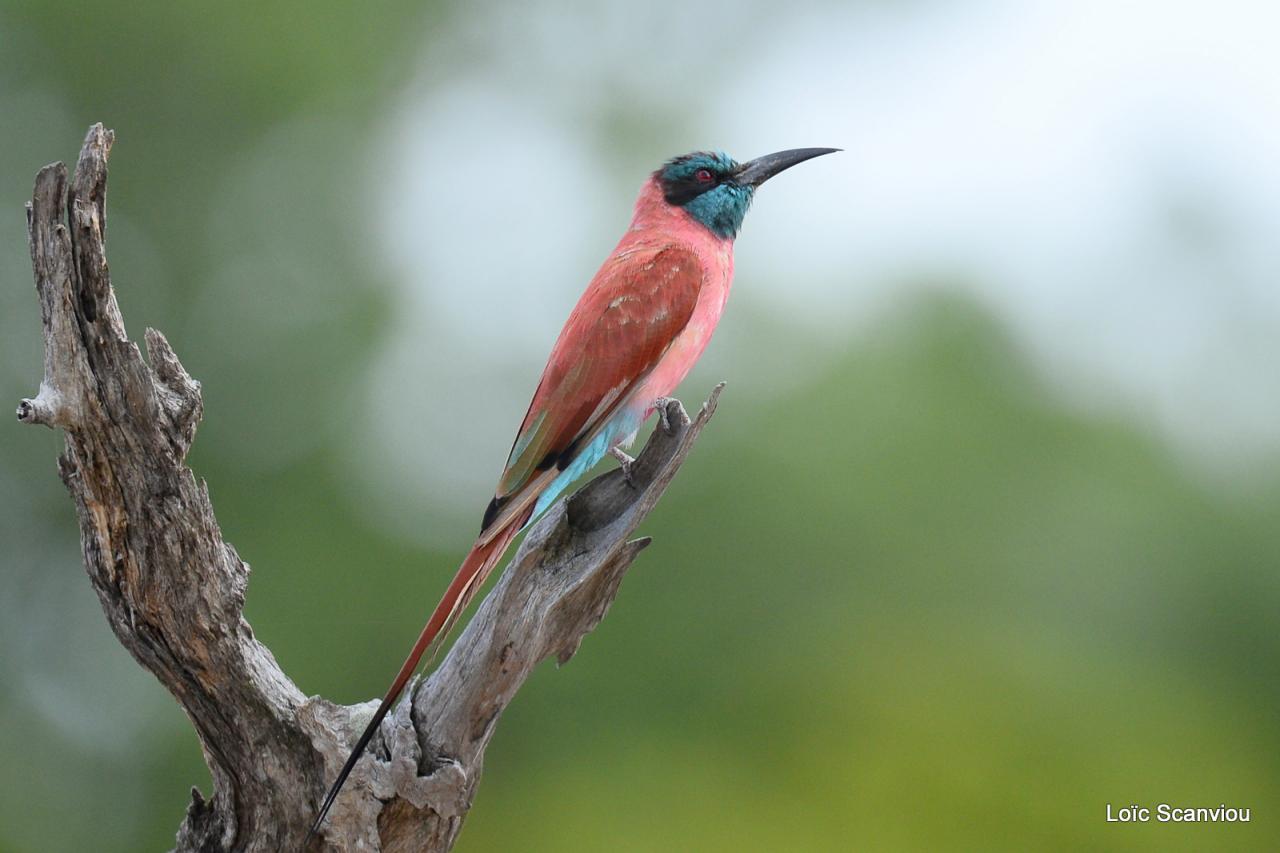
[{"x": 637, "y": 330}]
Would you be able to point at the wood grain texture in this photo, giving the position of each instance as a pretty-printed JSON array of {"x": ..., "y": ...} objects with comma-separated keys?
[{"x": 173, "y": 590}]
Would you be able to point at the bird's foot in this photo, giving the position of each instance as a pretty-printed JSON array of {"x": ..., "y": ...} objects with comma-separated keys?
[
  {"x": 660, "y": 405},
  {"x": 624, "y": 462}
]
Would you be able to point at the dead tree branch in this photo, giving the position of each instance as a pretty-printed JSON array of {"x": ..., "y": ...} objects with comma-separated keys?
[{"x": 173, "y": 589}]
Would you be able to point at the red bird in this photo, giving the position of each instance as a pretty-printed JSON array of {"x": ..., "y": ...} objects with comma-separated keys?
[{"x": 643, "y": 321}]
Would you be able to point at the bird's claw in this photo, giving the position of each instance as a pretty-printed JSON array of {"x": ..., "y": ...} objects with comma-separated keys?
[
  {"x": 624, "y": 462},
  {"x": 660, "y": 405}
]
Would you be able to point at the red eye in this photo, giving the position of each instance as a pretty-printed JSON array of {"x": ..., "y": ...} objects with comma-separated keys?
[{"x": 703, "y": 176}]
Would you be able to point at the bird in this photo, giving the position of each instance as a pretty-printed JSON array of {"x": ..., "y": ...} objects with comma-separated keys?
[{"x": 636, "y": 331}]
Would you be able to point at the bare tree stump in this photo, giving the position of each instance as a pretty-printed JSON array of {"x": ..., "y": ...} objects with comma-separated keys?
[{"x": 173, "y": 590}]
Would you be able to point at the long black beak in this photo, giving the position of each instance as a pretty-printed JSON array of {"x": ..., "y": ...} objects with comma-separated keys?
[{"x": 755, "y": 172}]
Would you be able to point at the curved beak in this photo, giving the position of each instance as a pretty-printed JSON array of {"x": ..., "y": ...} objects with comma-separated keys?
[{"x": 755, "y": 172}]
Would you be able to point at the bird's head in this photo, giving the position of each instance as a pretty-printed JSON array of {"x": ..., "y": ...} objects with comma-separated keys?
[{"x": 716, "y": 190}]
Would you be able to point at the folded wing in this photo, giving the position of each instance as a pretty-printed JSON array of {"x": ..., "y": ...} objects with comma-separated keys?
[{"x": 622, "y": 326}]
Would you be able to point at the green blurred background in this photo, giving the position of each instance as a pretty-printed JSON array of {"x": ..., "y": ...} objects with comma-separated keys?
[{"x": 983, "y": 538}]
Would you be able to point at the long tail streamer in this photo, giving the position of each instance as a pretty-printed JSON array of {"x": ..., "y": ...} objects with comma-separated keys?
[{"x": 470, "y": 577}]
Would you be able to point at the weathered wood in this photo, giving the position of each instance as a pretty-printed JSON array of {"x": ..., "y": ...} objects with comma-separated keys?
[{"x": 173, "y": 590}]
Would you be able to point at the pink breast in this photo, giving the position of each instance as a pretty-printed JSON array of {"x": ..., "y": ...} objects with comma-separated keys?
[
  {"x": 690, "y": 343},
  {"x": 658, "y": 223}
]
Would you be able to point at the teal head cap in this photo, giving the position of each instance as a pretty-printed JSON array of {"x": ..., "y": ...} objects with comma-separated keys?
[{"x": 716, "y": 190}]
